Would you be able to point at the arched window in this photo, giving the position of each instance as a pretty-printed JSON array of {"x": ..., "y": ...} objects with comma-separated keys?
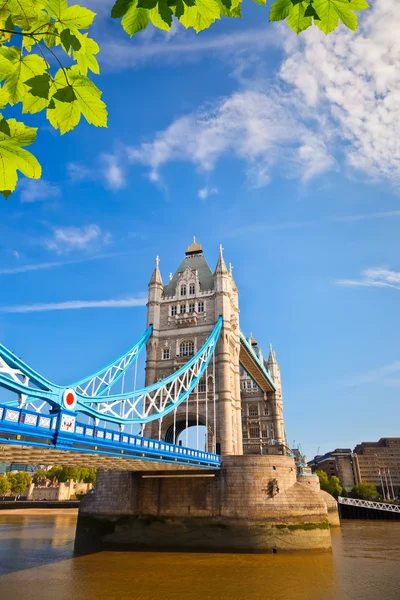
[
  {"x": 191, "y": 307},
  {"x": 183, "y": 290},
  {"x": 166, "y": 354},
  {"x": 202, "y": 385},
  {"x": 200, "y": 307},
  {"x": 266, "y": 411},
  {"x": 253, "y": 410},
  {"x": 192, "y": 289},
  {"x": 186, "y": 348},
  {"x": 173, "y": 311},
  {"x": 183, "y": 309}
]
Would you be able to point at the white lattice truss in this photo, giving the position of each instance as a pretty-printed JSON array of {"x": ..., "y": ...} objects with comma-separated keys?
[
  {"x": 370, "y": 504},
  {"x": 148, "y": 404},
  {"x": 14, "y": 374},
  {"x": 19, "y": 377},
  {"x": 100, "y": 383}
]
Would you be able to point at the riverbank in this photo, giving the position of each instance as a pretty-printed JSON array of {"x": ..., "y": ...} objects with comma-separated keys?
[
  {"x": 38, "y": 504},
  {"x": 40, "y": 511}
]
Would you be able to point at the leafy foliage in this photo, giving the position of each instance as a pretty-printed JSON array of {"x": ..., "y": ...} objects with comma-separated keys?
[
  {"x": 31, "y": 74},
  {"x": 19, "y": 482},
  {"x": 63, "y": 474},
  {"x": 329, "y": 484},
  {"x": 135, "y": 15},
  {"x": 34, "y": 34},
  {"x": 5, "y": 485},
  {"x": 365, "y": 491}
]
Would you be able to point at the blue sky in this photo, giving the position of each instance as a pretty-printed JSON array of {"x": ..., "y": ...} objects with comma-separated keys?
[{"x": 285, "y": 150}]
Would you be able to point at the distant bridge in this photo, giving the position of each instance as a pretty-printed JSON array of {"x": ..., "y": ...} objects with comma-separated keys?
[{"x": 393, "y": 508}]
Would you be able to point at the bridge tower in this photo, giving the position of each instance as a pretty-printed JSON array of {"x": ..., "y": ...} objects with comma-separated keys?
[{"x": 183, "y": 312}]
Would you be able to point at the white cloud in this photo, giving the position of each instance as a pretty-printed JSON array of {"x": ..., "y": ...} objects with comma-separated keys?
[
  {"x": 67, "y": 239},
  {"x": 52, "y": 265},
  {"x": 367, "y": 216},
  {"x": 253, "y": 126},
  {"x": 374, "y": 277},
  {"x": 382, "y": 375},
  {"x": 34, "y": 190},
  {"x": 354, "y": 82},
  {"x": 112, "y": 171},
  {"x": 117, "y": 54},
  {"x": 205, "y": 192},
  {"x": 74, "y": 305},
  {"x": 78, "y": 172},
  {"x": 336, "y": 96}
]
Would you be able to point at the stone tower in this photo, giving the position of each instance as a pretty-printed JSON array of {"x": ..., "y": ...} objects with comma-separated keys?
[
  {"x": 262, "y": 412},
  {"x": 183, "y": 313}
]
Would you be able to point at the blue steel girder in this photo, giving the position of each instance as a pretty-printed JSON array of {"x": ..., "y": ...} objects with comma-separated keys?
[
  {"x": 169, "y": 392},
  {"x": 136, "y": 407}
]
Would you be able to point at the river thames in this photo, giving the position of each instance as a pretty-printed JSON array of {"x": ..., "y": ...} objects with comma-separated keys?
[{"x": 37, "y": 562}]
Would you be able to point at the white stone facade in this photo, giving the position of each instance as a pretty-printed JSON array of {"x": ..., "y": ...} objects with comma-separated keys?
[{"x": 183, "y": 313}]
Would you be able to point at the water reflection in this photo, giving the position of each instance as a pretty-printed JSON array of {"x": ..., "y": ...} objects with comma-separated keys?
[{"x": 364, "y": 565}]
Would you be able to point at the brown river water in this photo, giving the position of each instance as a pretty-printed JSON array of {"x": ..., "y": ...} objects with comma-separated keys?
[{"x": 37, "y": 562}]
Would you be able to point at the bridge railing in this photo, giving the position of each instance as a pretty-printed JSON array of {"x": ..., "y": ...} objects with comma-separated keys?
[
  {"x": 62, "y": 430},
  {"x": 370, "y": 504}
]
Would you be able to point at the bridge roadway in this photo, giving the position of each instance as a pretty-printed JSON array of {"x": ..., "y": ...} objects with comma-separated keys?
[
  {"x": 67, "y": 458},
  {"x": 254, "y": 365},
  {"x": 58, "y": 438}
]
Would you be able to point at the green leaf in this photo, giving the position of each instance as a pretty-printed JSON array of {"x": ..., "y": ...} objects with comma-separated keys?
[
  {"x": 328, "y": 14},
  {"x": 4, "y": 97},
  {"x": 228, "y": 3},
  {"x": 233, "y": 12},
  {"x": 358, "y": 4},
  {"x": 69, "y": 40},
  {"x": 202, "y": 15},
  {"x": 311, "y": 12},
  {"x": 40, "y": 85},
  {"x": 85, "y": 56},
  {"x": 280, "y": 9},
  {"x": 296, "y": 20},
  {"x": 262, "y": 2},
  {"x": 120, "y": 8},
  {"x": 146, "y": 3},
  {"x": 20, "y": 70},
  {"x": 65, "y": 94},
  {"x": 13, "y": 157},
  {"x": 161, "y": 15},
  {"x": 4, "y": 127},
  {"x": 65, "y": 114},
  {"x": 135, "y": 19},
  {"x": 179, "y": 9},
  {"x": 24, "y": 12},
  {"x": 70, "y": 17}
]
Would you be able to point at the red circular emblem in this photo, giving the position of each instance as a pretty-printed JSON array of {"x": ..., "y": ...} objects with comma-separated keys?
[{"x": 70, "y": 399}]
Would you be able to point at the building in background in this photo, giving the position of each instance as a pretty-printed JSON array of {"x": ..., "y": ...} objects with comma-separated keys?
[
  {"x": 374, "y": 462},
  {"x": 341, "y": 463},
  {"x": 379, "y": 463}
]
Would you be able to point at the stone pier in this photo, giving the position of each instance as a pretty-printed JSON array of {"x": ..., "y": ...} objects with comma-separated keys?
[{"x": 254, "y": 504}]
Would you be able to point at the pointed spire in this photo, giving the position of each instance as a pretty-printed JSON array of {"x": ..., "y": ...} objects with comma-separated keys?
[
  {"x": 272, "y": 355},
  {"x": 221, "y": 269},
  {"x": 156, "y": 277}
]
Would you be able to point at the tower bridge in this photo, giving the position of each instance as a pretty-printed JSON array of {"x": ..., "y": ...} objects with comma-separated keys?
[{"x": 238, "y": 489}]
